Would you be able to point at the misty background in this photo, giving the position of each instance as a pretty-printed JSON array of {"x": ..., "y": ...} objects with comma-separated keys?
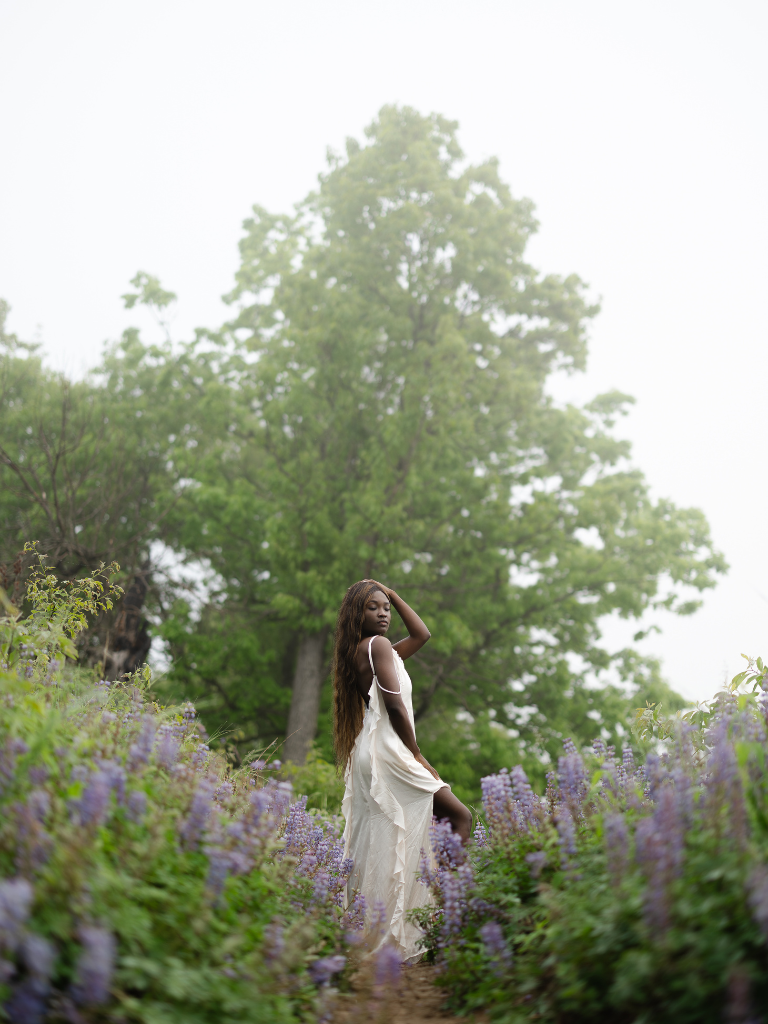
[{"x": 139, "y": 136}]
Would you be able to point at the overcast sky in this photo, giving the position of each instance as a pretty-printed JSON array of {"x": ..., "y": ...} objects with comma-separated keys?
[{"x": 137, "y": 136}]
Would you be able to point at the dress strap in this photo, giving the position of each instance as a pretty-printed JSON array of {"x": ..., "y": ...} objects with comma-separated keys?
[{"x": 370, "y": 658}]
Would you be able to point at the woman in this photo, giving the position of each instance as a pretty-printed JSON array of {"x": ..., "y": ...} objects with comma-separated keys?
[{"x": 391, "y": 790}]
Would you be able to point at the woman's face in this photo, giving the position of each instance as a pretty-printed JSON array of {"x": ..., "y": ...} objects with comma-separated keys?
[{"x": 378, "y": 615}]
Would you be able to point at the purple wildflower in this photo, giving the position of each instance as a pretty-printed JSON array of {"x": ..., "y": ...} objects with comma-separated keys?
[
  {"x": 15, "y": 903},
  {"x": 95, "y": 966},
  {"x": 387, "y": 970},
  {"x": 536, "y": 860},
  {"x": 498, "y": 801},
  {"x": 524, "y": 798},
  {"x": 136, "y": 806},
  {"x": 199, "y": 812},
  {"x": 572, "y": 777},
  {"x": 93, "y": 805},
  {"x": 616, "y": 845},
  {"x": 354, "y": 917},
  {"x": 758, "y": 897},
  {"x": 141, "y": 750},
  {"x": 167, "y": 747},
  {"x": 10, "y": 752},
  {"x": 567, "y": 837},
  {"x": 496, "y": 948},
  {"x": 321, "y": 971},
  {"x": 38, "y": 774},
  {"x": 274, "y": 943},
  {"x": 660, "y": 854},
  {"x": 480, "y": 835}
]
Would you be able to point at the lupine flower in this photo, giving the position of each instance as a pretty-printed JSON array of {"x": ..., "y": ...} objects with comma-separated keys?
[
  {"x": 274, "y": 943},
  {"x": 275, "y": 766},
  {"x": 167, "y": 747},
  {"x": 572, "y": 777},
  {"x": 567, "y": 837},
  {"x": 15, "y": 903},
  {"x": 93, "y": 805},
  {"x": 10, "y": 752},
  {"x": 446, "y": 844},
  {"x": 660, "y": 854},
  {"x": 536, "y": 860},
  {"x": 387, "y": 970},
  {"x": 757, "y": 889},
  {"x": 354, "y": 916},
  {"x": 498, "y": 801},
  {"x": 496, "y": 948},
  {"x": 95, "y": 966},
  {"x": 136, "y": 805},
  {"x": 724, "y": 786},
  {"x": 196, "y": 821},
  {"x": 480, "y": 835},
  {"x": 38, "y": 774},
  {"x": 524, "y": 798},
  {"x": 378, "y": 917},
  {"x": 33, "y": 843},
  {"x": 141, "y": 750},
  {"x": 617, "y": 845},
  {"x": 321, "y": 971}
]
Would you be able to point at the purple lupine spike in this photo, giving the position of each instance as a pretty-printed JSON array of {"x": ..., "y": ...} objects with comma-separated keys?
[
  {"x": 496, "y": 948},
  {"x": 524, "y": 797},
  {"x": 15, "y": 904},
  {"x": 498, "y": 802},
  {"x": 167, "y": 747},
  {"x": 628, "y": 760},
  {"x": 757, "y": 889},
  {"x": 566, "y": 832},
  {"x": 196, "y": 821},
  {"x": 116, "y": 775},
  {"x": 93, "y": 806},
  {"x": 617, "y": 846},
  {"x": 354, "y": 916},
  {"x": 536, "y": 860},
  {"x": 572, "y": 777},
  {"x": 141, "y": 750},
  {"x": 320, "y": 889},
  {"x": 321, "y": 971},
  {"x": 480, "y": 835},
  {"x": 136, "y": 806},
  {"x": 274, "y": 942},
  {"x": 387, "y": 970},
  {"x": 552, "y": 795},
  {"x": 447, "y": 846},
  {"x": 724, "y": 788},
  {"x": 659, "y": 842},
  {"x": 378, "y": 916},
  {"x": 11, "y": 750},
  {"x": 38, "y": 774},
  {"x": 39, "y": 804},
  {"x": 598, "y": 749},
  {"x": 95, "y": 966}
]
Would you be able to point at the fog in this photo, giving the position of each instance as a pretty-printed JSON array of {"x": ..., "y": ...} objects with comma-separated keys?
[{"x": 138, "y": 136}]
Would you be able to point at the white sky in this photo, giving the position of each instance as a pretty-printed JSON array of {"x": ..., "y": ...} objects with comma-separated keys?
[{"x": 138, "y": 135}]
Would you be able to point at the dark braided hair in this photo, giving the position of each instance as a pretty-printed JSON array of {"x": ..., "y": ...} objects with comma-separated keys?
[{"x": 348, "y": 705}]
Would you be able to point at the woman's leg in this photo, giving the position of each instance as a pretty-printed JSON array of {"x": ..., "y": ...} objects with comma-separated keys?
[{"x": 446, "y": 805}]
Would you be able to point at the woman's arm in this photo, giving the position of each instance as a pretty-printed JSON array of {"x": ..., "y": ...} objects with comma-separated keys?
[
  {"x": 418, "y": 634},
  {"x": 389, "y": 687}
]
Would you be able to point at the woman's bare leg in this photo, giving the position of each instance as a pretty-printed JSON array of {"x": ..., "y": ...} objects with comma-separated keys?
[{"x": 446, "y": 806}]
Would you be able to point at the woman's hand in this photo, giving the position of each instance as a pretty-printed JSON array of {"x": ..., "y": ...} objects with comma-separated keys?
[
  {"x": 422, "y": 760},
  {"x": 385, "y": 590}
]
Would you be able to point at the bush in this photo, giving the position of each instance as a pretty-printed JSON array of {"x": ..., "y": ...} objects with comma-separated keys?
[
  {"x": 627, "y": 893},
  {"x": 141, "y": 879}
]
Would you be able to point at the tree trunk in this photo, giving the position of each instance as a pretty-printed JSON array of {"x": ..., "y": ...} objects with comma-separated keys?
[
  {"x": 305, "y": 700},
  {"x": 129, "y": 643}
]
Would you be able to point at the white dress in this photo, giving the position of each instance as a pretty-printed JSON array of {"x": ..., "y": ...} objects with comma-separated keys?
[{"x": 388, "y": 810}]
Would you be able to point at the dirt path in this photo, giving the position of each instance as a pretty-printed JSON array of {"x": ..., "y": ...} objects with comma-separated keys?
[{"x": 418, "y": 1001}]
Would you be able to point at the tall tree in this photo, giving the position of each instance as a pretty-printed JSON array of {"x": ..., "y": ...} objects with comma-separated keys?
[{"x": 387, "y": 416}]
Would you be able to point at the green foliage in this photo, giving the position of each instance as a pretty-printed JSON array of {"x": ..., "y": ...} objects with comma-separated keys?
[
  {"x": 319, "y": 780},
  {"x": 106, "y": 816}
]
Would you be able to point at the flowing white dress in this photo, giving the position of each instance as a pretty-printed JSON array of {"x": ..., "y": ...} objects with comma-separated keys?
[{"x": 388, "y": 810}]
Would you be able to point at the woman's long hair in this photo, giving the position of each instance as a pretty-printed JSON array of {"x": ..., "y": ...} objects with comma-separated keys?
[{"x": 348, "y": 705}]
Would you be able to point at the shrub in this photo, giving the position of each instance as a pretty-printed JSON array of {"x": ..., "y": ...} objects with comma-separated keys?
[
  {"x": 628, "y": 893},
  {"x": 141, "y": 879}
]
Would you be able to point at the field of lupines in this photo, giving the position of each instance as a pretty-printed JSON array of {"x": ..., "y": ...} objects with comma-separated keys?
[
  {"x": 141, "y": 878},
  {"x": 629, "y": 892}
]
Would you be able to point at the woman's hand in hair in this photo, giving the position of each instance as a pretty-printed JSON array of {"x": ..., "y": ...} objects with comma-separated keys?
[{"x": 385, "y": 590}]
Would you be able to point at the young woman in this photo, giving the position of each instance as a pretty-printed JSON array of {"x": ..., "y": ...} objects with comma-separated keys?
[{"x": 391, "y": 790}]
